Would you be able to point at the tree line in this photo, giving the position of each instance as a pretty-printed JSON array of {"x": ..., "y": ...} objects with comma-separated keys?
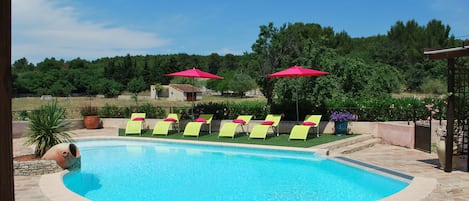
[{"x": 371, "y": 67}]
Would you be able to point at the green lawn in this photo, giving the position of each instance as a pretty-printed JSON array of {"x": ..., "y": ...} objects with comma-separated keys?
[{"x": 281, "y": 140}]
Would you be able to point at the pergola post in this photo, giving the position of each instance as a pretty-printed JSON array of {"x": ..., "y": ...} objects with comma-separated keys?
[
  {"x": 450, "y": 117},
  {"x": 453, "y": 88},
  {"x": 7, "y": 187}
]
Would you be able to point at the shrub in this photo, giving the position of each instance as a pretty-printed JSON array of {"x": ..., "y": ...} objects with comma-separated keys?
[
  {"x": 230, "y": 110},
  {"x": 110, "y": 111},
  {"x": 89, "y": 110},
  {"x": 152, "y": 111},
  {"x": 217, "y": 109},
  {"x": 23, "y": 115},
  {"x": 433, "y": 86},
  {"x": 389, "y": 109},
  {"x": 184, "y": 112},
  {"x": 255, "y": 108},
  {"x": 48, "y": 127}
]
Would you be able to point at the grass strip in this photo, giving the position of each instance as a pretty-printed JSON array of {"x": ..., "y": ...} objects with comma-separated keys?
[{"x": 281, "y": 140}]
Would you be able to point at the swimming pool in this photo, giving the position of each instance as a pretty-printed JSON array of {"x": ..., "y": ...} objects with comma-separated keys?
[{"x": 139, "y": 170}]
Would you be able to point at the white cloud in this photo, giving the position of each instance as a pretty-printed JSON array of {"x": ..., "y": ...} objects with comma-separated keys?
[{"x": 44, "y": 28}]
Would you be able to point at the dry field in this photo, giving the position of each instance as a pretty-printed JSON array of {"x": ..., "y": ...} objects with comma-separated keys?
[{"x": 72, "y": 104}]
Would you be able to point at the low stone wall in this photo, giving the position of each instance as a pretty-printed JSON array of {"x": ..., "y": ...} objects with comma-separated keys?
[
  {"x": 397, "y": 133},
  {"x": 19, "y": 128},
  {"x": 36, "y": 167}
]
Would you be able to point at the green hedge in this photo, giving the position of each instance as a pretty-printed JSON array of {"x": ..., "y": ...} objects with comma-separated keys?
[
  {"x": 230, "y": 110},
  {"x": 391, "y": 109},
  {"x": 387, "y": 109},
  {"x": 113, "y": 111}
]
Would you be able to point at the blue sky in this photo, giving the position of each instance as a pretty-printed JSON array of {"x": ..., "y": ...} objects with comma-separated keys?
[{"x": 91, "y": 29}]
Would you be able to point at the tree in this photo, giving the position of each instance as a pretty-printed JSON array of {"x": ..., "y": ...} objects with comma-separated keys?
[
  {"x": 268, "y": 54},
  {"x": 241, "y": 83},
  {"x": 22, "y": 65},
  {"x": 61, "y": 88},
  {"x": 50, "y": 64},
  {"x": 77, "y": 63},
  {"x": 109, "y": 88},
  {"x": 214, "y": 62},
  {"x": 158, "y": 88},
  {"x": 136, "y": 85}
]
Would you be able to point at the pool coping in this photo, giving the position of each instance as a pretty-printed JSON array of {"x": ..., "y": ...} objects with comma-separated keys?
[{"x": 419, "y": 187}]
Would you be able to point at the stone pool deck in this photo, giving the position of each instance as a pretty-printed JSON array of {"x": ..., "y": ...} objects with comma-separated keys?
[{"x": 449, "y": 186}]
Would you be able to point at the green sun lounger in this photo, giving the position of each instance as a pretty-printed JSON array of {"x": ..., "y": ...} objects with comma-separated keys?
[
  {"x": 259, "y": 131},
  {"x": 207, "y": 120},
  {"x": 229, "y": 129},
  {"x": 135, "y": 124},
  {"x": 300, "y": 132},
  {"x": 192, "y": 129},
  {"x": 163, "y": 127},
  {"x": 271, "y": 121},
  {"x": 316, "y": 119}
]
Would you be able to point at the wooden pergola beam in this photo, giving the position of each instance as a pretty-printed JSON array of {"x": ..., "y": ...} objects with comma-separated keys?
[{"x": 447, "y": 53}]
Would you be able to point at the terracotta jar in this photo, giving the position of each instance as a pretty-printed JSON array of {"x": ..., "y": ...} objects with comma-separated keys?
[
  {"x": 91, "y": 122},
  {"x": 66, "y": 155}
]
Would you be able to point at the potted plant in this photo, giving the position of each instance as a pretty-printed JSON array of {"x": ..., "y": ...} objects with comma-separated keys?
[
  {"x": 341, "y": 119},
  {"x": 90, "y": 115}
]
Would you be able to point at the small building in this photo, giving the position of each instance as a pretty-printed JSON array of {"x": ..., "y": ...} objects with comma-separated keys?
[{"x": 177, "y": 92}]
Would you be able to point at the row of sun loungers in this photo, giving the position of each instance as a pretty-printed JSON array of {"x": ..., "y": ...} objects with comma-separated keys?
[{"x": 229, "y": 129}]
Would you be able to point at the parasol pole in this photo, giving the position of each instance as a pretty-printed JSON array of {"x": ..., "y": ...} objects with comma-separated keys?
[
  {"x": 193, "y": 89},
  {"x": 297, "y": 115}
]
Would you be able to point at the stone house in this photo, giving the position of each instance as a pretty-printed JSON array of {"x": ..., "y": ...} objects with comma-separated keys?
[{"x": 177, "y": 92}]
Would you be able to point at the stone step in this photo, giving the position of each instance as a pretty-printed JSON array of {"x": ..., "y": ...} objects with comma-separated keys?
[
  {"x": 345, "y": 142},
  {"x": 357, "y": 146}
]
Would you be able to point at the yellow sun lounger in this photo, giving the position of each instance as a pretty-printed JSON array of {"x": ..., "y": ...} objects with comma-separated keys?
[
  {"x": 229, "y": 129},
  {"x": 193, "y": 128},
  {"x": 163, "y": 127},
  {"x": 271, "y": 121},
  {"x": 206, "y": 119},
  {"x": 134, "y": 125},
  {"x": 300, "y": 132}
]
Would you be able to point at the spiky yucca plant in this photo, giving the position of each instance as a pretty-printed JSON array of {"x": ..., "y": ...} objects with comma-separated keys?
[{"x": 48, "y": 127}]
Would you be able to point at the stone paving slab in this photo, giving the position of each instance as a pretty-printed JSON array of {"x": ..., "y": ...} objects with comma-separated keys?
[{"x": 450, "y": 186}]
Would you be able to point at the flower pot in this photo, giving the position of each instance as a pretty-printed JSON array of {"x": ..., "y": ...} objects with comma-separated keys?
[
  {"x": 340, "y": 127},
  {"x": 91, "y": 122},
  {"x": 441, "y": 152}
]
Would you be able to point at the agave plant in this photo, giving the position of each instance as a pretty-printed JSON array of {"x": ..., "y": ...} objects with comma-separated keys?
[{"x": 48, "y": 127}]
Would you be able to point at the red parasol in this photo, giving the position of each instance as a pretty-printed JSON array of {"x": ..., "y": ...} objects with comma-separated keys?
[
  {"x": 194, "y": 73},
  {"x": 297, "y": 71}
]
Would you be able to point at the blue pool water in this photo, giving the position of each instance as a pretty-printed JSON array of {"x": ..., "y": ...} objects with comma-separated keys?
[{"x": 138, "y": 170}]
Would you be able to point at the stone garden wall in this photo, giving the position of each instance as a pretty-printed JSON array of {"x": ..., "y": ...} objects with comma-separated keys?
[{"x": 35, "y": 167}]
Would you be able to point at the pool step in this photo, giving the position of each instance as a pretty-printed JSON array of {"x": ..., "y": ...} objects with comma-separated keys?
[
  {"x": 350, "y": 145},
  {"x": 345, "y": 142},
  {"x": 357, "y": 146}
]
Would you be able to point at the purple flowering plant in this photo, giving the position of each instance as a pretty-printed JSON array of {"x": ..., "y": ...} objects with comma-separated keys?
[{"x": 342, "y": 116}]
